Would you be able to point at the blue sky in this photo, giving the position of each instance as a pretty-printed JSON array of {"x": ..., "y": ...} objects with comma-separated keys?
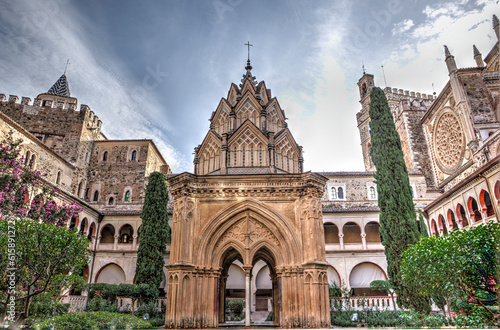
[{"x": 157, "y": 69}]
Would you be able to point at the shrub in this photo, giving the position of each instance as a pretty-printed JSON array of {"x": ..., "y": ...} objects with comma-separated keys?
[
  {"x": 99, "y": 304},
  {"x": 152, "y": 312},
  {"x": 477, "y": 318},
  {"x": 236, "y": 306},
  {"x": 92, "y": 320}
]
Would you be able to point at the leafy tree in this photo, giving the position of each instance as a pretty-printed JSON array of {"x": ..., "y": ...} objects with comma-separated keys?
[
  {"x": 421, "y": 223},
  {"x": 154, "y": 232},
  {"x": 462, "y": 263},
  {"x": 398, "y": 226},
  {"x": 40, "y": 258}
]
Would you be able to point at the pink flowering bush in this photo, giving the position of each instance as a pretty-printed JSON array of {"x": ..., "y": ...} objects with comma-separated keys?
[{"x": 24, "y": 192}]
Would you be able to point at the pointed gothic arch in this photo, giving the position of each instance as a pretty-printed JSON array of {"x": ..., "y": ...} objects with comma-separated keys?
[{"x": 217, "y": 235}]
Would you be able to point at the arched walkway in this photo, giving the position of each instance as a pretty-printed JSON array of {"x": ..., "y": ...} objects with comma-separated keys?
[
  {"x": 248, "y": 233},
  {"x": 111, "y": 274},
  {"x": 331, "y": 233},
  {"x": 462, "y": 216},
  {"x": 362, "y": 275},
  {"x": 372, "y": 231}
]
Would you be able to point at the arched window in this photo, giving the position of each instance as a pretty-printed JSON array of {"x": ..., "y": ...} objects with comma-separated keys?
[
  {"x": 127, "y": 196},
  {"x": 331, "y": 233},
  {"x": 352, "y": 233},
  {"x": 260, "y": 156},
  {"x": 72, "y": 223},
  {"x": 462, "y": 216},
  {"x": 79, "y": 191},
  {"x": 108, "y": 234},
  {"x": 497, "y": 191},
  {"x": 451, "y": 220},
  {"x": 241, "y": 118},
  {"x": 243, "y": 156},
  {"x": 134, "y": 155},
  {"x": 485, "y": 200},
  {"x": 96, "y": 195},
  {"x": 105, "y": 156},
  {"x": 372, "y": 231},
  {"x": 126, "y": 234},
  {"x": 32, "y": 161},
  {"x": 234, "y": 155},
  {"x": 340, "y": 192},
  {"x": 474, "y": 209},
  {"x": 251, "y": 156},
  {"x": 58, "y": 178},
  {"x": 27, "y": 158},
  {"x": 434, "y": 228},
  {"x": 373, "y": 194},
  {"x": 442, "y": 225},
  {"x": 333, "y": 193},
  {"x": 111, "y": 201},
  {"x": 255, "y": 118}
]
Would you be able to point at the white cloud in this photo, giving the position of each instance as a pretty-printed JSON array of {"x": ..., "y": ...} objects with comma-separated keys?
[
  {"x": 402, "y": 26},
  {"x": 43, "y": 38},
  {"x": 420, "y": 65}
]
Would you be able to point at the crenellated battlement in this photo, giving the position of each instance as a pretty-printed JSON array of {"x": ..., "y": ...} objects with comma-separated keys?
[
  {"x": 49, "y": 103},
  {"x": 418, "y": 95}
]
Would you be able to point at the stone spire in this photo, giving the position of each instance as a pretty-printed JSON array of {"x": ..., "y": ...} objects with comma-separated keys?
[
  {"x": 450, "y": 60},
  {"x": 60, "y": 88},
  {"x": 496, "y": 26},
  {"x": 478, "y": 57}
]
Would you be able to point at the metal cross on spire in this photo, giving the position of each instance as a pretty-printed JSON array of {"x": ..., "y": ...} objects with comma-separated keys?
[
  {"x": 248, "y": 44},
  {"x": 66, "y": 67}
]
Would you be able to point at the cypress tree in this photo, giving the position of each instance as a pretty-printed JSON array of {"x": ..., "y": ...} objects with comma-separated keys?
[
  {"x": 154, "y": 232},
  {"x": 423, "y": 228},
  {"x": 398, "y": 225}
]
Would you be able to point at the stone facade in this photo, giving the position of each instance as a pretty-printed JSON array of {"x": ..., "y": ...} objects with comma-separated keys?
[{"x": 249, "y": 222}]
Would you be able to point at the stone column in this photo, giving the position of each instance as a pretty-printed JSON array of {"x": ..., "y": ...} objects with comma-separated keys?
[
  {"x": 134, "y": 242},
  {"x": 222, "y": 299},
  {"x": 363, "y": 240},
  {"x": 247, "y": 299},
  {"x": 223, "y": 162},
  {"x": 341, "y": 241},
  {"x": 263, "y": 124},
  {"x": 115, "y": 244}
]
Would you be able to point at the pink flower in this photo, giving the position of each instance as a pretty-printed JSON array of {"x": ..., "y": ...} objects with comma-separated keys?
[
  {"x": 453, "y": 314},
  {"x": 471, "y": 299},
  {"x": 460, "y": 311}
]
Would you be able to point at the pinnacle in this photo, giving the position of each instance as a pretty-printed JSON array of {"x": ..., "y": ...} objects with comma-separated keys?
[
  {"x": 476, "y": 51},
  {"x": 446, "y": 51}
]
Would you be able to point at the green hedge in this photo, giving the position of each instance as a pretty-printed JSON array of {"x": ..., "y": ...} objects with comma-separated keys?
[
  {"x": 141, "y": 292},
  {"x": 95, "y": 320}
]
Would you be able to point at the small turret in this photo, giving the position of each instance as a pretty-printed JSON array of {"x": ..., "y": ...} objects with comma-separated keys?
[
  {"x": 450, "y": 60},
  {"x": 58, "y": 96},
  {"x": 60, "y": 88},
  {"x": 478, "y": 57},
  {"x": 496, "y": 26}
]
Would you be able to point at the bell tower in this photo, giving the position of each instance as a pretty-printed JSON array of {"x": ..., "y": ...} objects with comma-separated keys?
[{"x": 365, "y": 85}]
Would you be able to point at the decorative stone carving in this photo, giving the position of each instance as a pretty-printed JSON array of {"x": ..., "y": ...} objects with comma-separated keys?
[
  {"x": 258, "y": 231},
  {"x": 448, "y": 142},
  {"x": 239, "y": 231}
]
